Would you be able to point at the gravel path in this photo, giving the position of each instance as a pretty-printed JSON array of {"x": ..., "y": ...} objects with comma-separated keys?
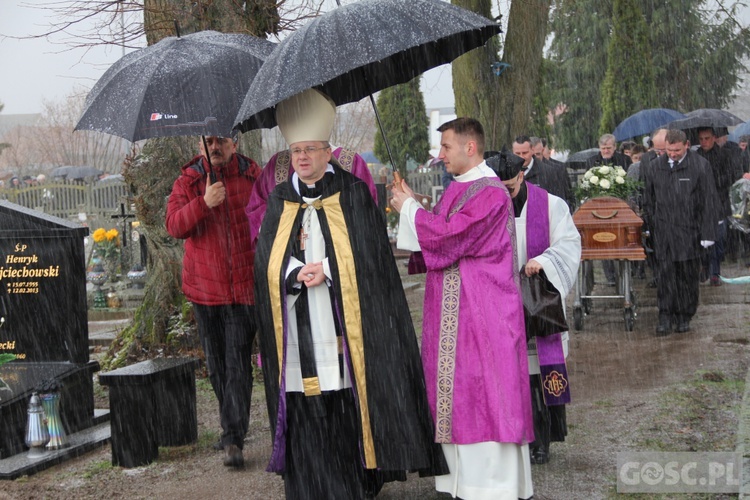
[{"x": 631, "y": 391}]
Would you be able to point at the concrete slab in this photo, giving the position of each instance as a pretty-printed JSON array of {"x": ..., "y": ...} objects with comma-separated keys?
[
  {"x": 102, "y": 333},
  {"x": 80, "y": 443}
]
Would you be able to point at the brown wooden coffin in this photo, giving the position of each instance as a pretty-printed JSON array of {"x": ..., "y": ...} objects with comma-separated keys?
[{"x": 609, "y": 230}]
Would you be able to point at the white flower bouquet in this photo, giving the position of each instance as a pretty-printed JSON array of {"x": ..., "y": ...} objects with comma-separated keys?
[{"x": 605, "y": 180}]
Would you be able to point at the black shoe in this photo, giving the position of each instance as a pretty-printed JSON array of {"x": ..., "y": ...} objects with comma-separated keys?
[
  {"x": 651, "y": 284},
  {"x": 683, "y": 325},
  {"x": 665, "y": 325},
  {"x": 218, "y": 445},
  {"x": 233, "y": 456},
  {"x": 538, "y": 456}
]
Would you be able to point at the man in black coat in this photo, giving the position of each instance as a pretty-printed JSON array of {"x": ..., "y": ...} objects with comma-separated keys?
[
  {"x": 608, "y": 154},
  {"x": 678, "y": 200},
  {"x": 725, "y": 171},
  {"x": 549, "y": 177},
  {"x": 658, "y": 145}
]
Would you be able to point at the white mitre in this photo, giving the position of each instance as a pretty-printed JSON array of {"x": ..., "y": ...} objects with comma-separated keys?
[{"x": 307, "y": 116}]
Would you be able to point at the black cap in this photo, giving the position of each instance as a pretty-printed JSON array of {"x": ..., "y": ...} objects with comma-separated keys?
[{"x": 505, "y": 164}]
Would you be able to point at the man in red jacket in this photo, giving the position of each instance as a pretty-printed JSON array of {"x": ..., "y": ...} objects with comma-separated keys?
[{"x": 207, "y": 210}]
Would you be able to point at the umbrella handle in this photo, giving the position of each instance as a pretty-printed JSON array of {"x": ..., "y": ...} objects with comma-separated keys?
[
  {"x": 211, "y": 172},
  {"x": 397, "y": 180}
]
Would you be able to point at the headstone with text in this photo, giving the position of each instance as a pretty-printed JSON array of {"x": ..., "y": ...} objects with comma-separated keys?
[{"x": 43, "y": 304}]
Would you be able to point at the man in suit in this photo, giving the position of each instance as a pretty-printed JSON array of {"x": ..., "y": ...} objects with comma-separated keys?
[
  {"x": 549, "y": 177},
  {"x": 678, "y": 199},
  {"x": 725, "y": 172},
  {"x": 658, "y": 147}
]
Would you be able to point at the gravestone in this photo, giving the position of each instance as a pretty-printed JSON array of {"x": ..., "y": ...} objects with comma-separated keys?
[{"x": 43, "y": 304}]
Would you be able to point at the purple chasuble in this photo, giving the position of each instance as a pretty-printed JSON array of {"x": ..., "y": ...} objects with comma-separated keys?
[
  {"x": 549, "y": 349},
  {"x": 473, "y": 338}
]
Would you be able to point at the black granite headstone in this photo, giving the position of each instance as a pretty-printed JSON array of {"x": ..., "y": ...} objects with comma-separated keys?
[
  {"x": 42, "y": 286},
  {"x": 43, "y": 305}
]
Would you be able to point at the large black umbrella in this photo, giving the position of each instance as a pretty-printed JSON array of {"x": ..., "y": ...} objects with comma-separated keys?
[
  {"x": 581, "y": 157},
  {"x": 706, "y": 117},
  {"x": 360, "y": 48},
  {"x": 183, "y": 85},
  {"x": 644, "y": 122},
  {"x": 71, "y": 172}
]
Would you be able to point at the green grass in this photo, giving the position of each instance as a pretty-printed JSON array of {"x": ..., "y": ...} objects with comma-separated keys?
[
  {"x": 206, "y": 439},
  {"x": 203, "y": 385},
  {"x": 97, "y": 467}
]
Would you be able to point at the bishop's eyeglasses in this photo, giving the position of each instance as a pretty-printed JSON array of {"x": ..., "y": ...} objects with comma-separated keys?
[{"x": 308, "y": 150}]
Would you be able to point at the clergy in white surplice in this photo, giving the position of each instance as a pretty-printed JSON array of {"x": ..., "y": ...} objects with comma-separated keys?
[
  {"x": 547, "y": 240},
  {"x": 473, "y": 337}
]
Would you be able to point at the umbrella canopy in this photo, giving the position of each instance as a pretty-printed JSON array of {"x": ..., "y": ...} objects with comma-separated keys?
[
  {"x": 581, "y": 156},
  {"x": 644, "y": 122},
  {"x": 706, "y": 117},
  {"x": 743, "y": 129},
  {"x": 360, "y": 48},
  {"x": 112, "y": 179},
  {"x": 71, "y": 172},
  {"x": 189, "y": 85}
]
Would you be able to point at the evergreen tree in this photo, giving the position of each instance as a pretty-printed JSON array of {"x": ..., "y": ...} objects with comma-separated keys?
[
  {"x": 541, "y": 104},
  {"x": 697, "y": 53},
  {"x": 696, "y": 57},
  {"x": 579, "y": 62},
  {"x": 404, "y": 118},
  {"x": 627, "y": 88}
]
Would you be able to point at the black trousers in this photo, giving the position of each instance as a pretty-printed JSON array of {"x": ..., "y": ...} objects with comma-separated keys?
[
  {"x": 323, "y": 459},
  {"x": 677, "y": 285},
  {"x": 550, "y": 423},
  {"x": 227, "y": 334}
]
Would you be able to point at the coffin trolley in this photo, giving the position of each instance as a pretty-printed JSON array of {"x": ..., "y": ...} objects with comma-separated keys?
[{"x": 610, "y": 230}]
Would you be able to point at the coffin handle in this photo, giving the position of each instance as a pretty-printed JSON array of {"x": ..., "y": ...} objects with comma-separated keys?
[{"x": 600, "y": 216}]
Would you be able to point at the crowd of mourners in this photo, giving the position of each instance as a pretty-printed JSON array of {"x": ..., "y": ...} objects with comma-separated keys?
[
  {"x": 298, "y": 253},
  {"x": 684, "y": 200}
]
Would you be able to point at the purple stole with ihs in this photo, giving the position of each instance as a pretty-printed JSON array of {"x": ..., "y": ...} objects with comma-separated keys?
[{"x": 549, "y": 349}]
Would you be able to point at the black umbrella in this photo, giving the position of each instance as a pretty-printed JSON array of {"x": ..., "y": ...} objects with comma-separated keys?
[
  {"x": 363, "y": 47},
  {"x": 582, "y": 156},
  {"x": 189, "y": 85},
  {"x": 71, "y": 172},
  {"x": 706, "y": 117}
]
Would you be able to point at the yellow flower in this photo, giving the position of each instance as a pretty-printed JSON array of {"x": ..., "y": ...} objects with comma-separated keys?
[
  {"x": 99, "y": 235},
  {"x": 112, "y": 235}
]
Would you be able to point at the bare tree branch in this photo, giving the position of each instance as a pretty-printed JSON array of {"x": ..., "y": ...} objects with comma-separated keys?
[{"x": 120, "y": 22}]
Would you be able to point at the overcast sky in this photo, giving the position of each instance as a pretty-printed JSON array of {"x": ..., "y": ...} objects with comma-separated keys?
[{"x": 38, "y": 70}]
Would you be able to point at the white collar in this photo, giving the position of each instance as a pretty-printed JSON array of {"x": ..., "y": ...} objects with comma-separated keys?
[
  {"x": 531, "y": 164},
  {"x": 475, "y": 173},
  {"x": 295, "y": 178}
]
